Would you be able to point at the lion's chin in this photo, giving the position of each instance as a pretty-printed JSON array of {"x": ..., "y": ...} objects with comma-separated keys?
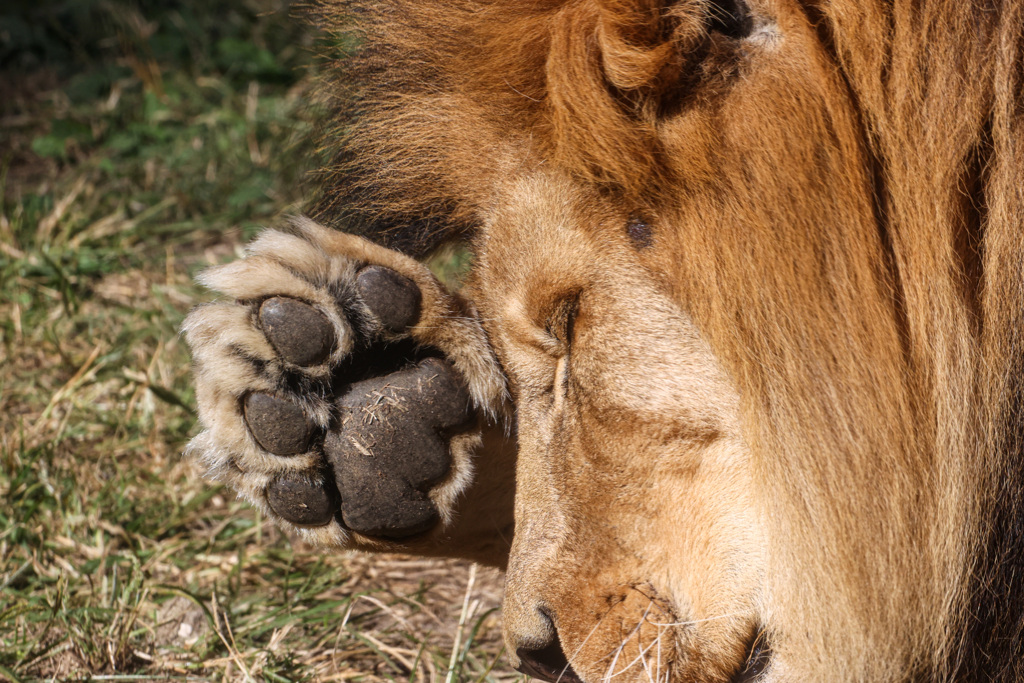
[
  {"x": 551, "y": 665},
  {"x": 721, "y": 656}
]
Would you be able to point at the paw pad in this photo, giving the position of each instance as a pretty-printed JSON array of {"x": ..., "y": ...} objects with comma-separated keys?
[
  {"x": 300, "y": 333},
  {"x": 392, "y": 447},
  {"x": 278, "y": 425},
  {"x": 300, "y": 502},
  {"x": 394, "y": 299}
]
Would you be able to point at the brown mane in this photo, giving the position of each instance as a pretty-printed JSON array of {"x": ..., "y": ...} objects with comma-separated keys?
[
  {"x": 886, "y": 351},
  {"x": 579, "y": 81}
]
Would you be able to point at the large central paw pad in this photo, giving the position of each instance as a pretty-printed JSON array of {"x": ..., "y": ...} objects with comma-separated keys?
[
  {"x": 391, "y": 447},
  {"x": 328, "y": 389}
]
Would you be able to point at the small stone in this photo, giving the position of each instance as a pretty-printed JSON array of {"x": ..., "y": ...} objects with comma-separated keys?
[
  {"x": 300, "y": 333},
  {"x": 393, "y": 298},
  {"x": 278, "y": 425},
  {"x": 300, "y": 502}
]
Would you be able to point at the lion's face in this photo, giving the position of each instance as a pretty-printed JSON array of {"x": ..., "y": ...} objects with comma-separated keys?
[
  {"x": 636, "y": 537},
  {"x": 640, "y": 524}
]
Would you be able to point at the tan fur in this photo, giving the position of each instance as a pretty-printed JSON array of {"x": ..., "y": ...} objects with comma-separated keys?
[{"x": 788, "y": 410}]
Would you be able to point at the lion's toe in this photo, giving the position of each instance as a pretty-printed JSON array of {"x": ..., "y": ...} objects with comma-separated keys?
[
  {"x": 301, "y": 335},
  {"x": 302, "y": 500},
  {"x": 279, "y": 425},
  {"x": 393, "y": 298}
]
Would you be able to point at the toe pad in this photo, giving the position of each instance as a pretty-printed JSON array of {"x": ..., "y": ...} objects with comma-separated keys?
[
  {"x": 278, "y": 425},
  {"x": 394, "y": 299},
  {"x": 300, "y": 502},
  {"x": 300, "y": 333}
]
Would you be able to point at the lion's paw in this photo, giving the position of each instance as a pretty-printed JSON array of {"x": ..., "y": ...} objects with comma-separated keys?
[{"x": 342, "y": 389}]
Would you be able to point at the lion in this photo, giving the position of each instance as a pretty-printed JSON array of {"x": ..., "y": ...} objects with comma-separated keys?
[{"x": 733, "y": 390}]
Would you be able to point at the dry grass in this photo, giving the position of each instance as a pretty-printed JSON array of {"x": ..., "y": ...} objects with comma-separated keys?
[{"x": 128, "y": 164}]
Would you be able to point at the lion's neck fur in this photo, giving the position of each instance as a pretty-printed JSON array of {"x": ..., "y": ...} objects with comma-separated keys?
[{"x": 939, "y": 84}]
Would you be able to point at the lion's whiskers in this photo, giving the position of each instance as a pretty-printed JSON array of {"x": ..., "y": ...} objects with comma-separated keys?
[
  {"x": 569, "y": 658},
  {"x": 624, "y": 642}
]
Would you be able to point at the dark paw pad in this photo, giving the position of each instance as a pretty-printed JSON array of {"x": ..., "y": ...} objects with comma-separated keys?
[
  {"x": 278, "y": 425},
  {"x": 392, "y": 446},
  {"x": 300, "y": 333},
  {"x": 394, "y": 299},
  {"x": 300, "y": 502}
]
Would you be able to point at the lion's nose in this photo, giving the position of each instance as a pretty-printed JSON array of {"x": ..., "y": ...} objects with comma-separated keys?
[{"x": 548, "y": 664}]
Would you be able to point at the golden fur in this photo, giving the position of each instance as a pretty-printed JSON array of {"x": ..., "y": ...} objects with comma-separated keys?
[{"x": 758, "y": 290}]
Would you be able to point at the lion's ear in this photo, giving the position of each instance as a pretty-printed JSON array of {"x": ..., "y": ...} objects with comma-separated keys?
[
  {"x": 644, "y": 42},
  {"x": 647, "y": 43},
  {"x": 610, "y": 67}
]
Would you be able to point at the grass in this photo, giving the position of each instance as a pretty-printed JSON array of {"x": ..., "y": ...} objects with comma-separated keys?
[{"x": 136, "y": 147}]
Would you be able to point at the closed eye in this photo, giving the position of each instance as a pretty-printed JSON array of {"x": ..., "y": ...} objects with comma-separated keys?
[
  {"x": 561, "y": 326},
  {"x": 561, "y": 321}
]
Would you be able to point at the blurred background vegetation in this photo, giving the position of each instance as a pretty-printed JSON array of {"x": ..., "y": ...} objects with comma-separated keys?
[{"x": 140, "y": 142}]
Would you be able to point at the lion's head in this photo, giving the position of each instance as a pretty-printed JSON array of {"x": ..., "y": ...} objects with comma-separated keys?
[{"x": 753, "y": 269}]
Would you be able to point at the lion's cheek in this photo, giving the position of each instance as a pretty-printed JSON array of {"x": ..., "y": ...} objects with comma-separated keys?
[{"x": 664, "y": 579}]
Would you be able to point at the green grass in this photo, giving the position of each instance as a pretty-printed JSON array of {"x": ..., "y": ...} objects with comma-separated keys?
[{"x": 141, "y": 142}]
